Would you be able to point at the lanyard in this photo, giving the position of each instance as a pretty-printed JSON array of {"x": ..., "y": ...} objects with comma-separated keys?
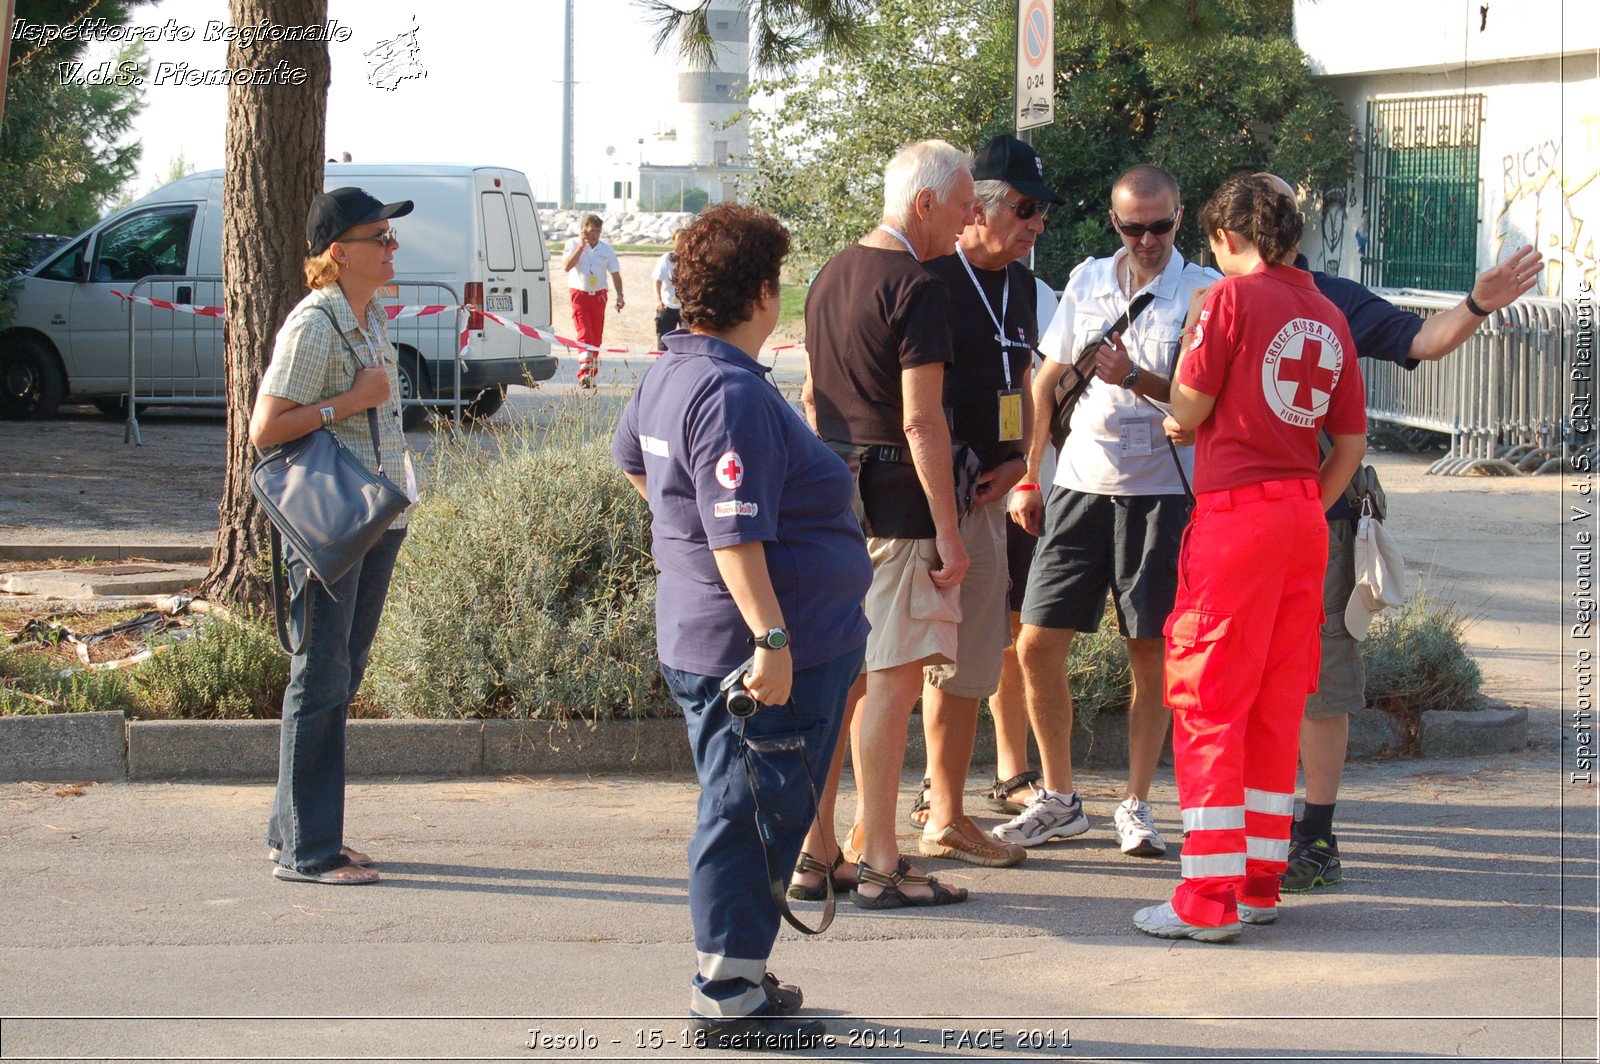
[
  {"x": 1136, "y": 341},
  {"x": 999, "y": 323},
  {"x": 898, "y": 235}
]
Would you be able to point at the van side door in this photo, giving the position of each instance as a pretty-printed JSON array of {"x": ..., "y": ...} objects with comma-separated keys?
[
  {"x": 149, "y": 242},
  {"x": 501, "y": 292},
  {"x": 534, "y": 281}
]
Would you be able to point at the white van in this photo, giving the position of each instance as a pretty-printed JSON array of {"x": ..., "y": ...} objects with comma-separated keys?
[{"x": 474, "y": 228}]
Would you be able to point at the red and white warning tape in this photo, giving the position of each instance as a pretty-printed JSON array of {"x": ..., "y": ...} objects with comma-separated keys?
[{"x": 425, "y": 310}]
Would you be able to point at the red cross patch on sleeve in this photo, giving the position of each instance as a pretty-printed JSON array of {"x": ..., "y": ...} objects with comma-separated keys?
[{"x": 730, "y": 470}]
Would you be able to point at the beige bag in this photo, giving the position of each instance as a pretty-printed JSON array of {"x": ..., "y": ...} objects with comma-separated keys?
[{"x": 1380, "y": 574}]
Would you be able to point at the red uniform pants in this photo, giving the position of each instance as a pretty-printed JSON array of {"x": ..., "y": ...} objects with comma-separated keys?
[
  {"x": 589, "y": 320},
  {"x": 1243, "y": 648}
]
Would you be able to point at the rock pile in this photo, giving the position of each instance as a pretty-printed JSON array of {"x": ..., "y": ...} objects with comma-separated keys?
[{"x": 643, "y": 227}]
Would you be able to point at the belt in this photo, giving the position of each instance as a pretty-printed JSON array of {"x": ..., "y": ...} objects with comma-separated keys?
[
  {"x": 883, "y": 452},
  {"x": 1267, "y": 490}
]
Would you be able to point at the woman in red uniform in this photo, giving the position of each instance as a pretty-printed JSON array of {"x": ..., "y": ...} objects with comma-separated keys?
[{"x": 1270, "y": 362}]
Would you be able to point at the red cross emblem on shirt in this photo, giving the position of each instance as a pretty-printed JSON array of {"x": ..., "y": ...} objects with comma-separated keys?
[
  {"x": 730, "y": 470},
  {"x": 1306, "y": 373}
]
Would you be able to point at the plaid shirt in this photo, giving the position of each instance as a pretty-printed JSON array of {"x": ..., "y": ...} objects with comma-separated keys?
[{"x": 311, "y": 364}]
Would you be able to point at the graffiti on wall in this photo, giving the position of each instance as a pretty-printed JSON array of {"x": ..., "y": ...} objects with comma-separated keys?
[
  {"x": 1554, "y": 208},
  {"x": 1335, "y": 210}
]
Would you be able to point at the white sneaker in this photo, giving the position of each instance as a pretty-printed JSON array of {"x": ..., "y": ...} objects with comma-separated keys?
[
  {"x": 1162, "y": 922},
  {"x": 1137, "y": 830},
  {"x": 1052, "y": 815},
  {"x": 1258, "y": 914}
]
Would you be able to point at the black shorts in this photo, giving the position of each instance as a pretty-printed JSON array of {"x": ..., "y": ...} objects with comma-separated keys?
[
  {"x": 1095, "y": 543},
  {"x": 1019, "y": 560}
]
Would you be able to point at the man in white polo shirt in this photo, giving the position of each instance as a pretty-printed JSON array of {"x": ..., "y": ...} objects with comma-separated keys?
[
  {"x": 1116, "y": 515},
  {"x": 587, "y": 260}
]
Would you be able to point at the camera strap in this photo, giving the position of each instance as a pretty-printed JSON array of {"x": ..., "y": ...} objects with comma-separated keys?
[{"x": 776, "y": 879}]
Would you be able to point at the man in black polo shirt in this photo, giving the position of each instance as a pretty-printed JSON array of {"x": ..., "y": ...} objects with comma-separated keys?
[
  {"x": 1382, "y": 331},
  {"x": 994, "y": 328}
]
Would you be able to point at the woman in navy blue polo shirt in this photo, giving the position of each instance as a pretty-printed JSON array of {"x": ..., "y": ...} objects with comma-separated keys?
[{"x": 760, "y": 556}]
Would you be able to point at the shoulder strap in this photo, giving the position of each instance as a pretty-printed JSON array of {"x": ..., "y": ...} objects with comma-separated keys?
[
  {"x": 372, "y": 411},
  {"x": 280, "y": 597}
]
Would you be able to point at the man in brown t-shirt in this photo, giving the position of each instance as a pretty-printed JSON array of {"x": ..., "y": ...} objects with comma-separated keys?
[{"x": 878, "y": 341}]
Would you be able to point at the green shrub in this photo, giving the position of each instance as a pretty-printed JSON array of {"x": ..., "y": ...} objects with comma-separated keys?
[
  {"x": 40, "y": 676},
  {"x": 525, "y": 588},
  {"x": 1416, "y": 659},
  {"x": 230, "y": 670}
]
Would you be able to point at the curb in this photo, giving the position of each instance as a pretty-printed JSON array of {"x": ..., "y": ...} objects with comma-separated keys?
[
  {"x": 199, "y": 554},
  {"x": 82, "y": 746}
]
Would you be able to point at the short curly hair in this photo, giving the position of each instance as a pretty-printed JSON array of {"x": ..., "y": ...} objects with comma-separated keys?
[{"x": 725, "y": 257}]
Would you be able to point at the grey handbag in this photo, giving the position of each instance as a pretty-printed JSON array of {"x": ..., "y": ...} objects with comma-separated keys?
[{"x": 327, "y": 504}]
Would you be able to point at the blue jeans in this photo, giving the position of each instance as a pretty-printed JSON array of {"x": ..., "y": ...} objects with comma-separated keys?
[
  {"x": 308, "y": 808},
  {"x": 730, "y": 898}
]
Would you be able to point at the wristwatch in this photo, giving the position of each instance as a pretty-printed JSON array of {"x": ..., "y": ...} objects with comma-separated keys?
[
  {"x": 1132, "y": 378},
  {"x": 775, "y": 639},
  {"x": 327, "y": 416}
]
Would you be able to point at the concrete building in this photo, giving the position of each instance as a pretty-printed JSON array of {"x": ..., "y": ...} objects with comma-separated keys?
[{"x": 1479, "y": 132}]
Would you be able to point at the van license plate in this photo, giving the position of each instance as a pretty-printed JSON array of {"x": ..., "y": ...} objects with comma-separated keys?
[{"x": 498, "y": 303}]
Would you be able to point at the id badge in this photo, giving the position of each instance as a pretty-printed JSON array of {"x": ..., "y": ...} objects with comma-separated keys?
[
  {"x": 1133, "y": 435},
  {"x": 594, "y": 283},
  {"x": 1010, "y": 415}
]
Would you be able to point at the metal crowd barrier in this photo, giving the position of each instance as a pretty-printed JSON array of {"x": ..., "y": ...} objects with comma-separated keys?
[
  {"x": 1503, "y": 398},
  {"x": 177, "y": 359}
]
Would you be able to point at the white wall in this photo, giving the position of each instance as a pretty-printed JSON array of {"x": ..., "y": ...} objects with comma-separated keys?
[
  {"x": 1343, "y": 37},
  {"x": 1539, "y": 167}
]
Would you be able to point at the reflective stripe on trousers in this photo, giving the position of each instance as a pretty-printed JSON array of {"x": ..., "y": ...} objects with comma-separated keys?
[{"x": 1243, "y": 647}]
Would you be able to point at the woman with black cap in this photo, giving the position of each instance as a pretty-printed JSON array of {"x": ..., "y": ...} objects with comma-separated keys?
[{"x": 331, "y": 363}]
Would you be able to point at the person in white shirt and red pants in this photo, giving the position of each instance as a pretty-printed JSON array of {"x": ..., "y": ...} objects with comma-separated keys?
[{"x": 588, "y": 260}]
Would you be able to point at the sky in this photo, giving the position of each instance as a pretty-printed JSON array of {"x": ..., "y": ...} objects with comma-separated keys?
[{"x": 492, "y": 94}]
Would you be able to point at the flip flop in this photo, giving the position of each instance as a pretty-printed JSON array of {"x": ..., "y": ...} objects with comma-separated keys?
[
  {"x": 343, "y": 876},
  {"x": 275, "y": 855}
]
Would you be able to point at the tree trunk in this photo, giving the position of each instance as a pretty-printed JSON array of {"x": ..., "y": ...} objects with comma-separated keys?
[{"x": 274, "y": 167}]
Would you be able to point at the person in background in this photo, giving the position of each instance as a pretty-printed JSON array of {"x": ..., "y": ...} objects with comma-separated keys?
[
  {"x": 588, "y": 260},
  {"x": 746, "y": 506},
  {"x": 1270, "y": 362},
  {"x": 327, "y": 376},
  {"x": 1387, "y": 333},
  {"x": 668, "y": 317}
]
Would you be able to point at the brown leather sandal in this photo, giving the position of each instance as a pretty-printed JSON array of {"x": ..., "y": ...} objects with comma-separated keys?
[
  {"x": 893, "y": 897},
  {"x": 810, "y": 865}
]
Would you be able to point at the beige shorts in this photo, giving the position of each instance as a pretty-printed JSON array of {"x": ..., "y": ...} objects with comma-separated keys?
[
  {"x": 985, "y": 629},
  {"x": 1342, "y": 681},
  {"x": 912, "y": 621}
]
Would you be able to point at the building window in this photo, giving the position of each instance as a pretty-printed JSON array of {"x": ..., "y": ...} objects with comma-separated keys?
[{"x": 1422, "y": 192}]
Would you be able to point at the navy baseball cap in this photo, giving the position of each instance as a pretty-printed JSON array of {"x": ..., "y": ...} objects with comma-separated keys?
[
  {"x": 1005, "y": 158},
  {"x": 343, "y": 209}
]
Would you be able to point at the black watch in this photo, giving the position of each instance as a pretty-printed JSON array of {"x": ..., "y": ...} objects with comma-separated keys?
[
  {"x": 774, "y": 639},
  {"x": 1132, "y": 378}
]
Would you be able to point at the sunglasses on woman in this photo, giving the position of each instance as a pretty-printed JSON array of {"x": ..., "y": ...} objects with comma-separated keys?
[
  {"x": 390, "y": 237},
  {"x": 1135, "y": 231},
  {"x": 1028, "y": 208}
]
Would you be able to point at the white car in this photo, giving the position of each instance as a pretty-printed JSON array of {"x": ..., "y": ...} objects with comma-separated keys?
[{"x": 474, "y": 230}]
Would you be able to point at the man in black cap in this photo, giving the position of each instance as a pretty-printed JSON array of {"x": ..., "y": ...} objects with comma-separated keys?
[{"x": 994, "y": 325}]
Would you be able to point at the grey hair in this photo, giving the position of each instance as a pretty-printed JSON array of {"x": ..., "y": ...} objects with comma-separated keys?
[
  {"x": 991, "y": 193},
  {"x": 927, "y": 164}
]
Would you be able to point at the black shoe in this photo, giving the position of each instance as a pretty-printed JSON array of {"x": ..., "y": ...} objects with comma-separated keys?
[
  {"x": 762, "y": 1033},
  {"x": 1312, "y": 863},
  {"x": 785, "y": 998}
]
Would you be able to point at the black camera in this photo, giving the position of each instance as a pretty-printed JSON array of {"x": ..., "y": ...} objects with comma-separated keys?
[{"x": 741, "y": 703}]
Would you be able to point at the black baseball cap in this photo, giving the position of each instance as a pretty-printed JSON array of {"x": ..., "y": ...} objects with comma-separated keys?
[
  {"x": 1005, "y": 158},
  {"x": 343, "y": 209}
]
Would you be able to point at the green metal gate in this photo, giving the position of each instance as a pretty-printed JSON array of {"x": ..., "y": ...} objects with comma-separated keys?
[{"x": 1422, "y": 192}]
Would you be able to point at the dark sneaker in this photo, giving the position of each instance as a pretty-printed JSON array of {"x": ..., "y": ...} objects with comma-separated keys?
[{"x": 1313, "y": 863}]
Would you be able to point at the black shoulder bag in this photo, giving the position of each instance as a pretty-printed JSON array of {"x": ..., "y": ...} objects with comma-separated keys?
[{"x": 326, "y": 503}]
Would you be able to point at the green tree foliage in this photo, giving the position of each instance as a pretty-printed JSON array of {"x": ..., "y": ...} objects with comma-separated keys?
[
  {"x": 62, "y": 155},
  {"x": 1199, "y": 91}
]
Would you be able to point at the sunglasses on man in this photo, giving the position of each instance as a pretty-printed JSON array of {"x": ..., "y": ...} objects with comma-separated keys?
[
  {"x": 1135, "y": 231},
  {"x": 1027, "y": 208},
  {"x": 390, "y": 237}
]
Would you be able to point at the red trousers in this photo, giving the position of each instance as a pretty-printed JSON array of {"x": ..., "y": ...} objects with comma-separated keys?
[
  {"x": 1243, "y": 650},
  {"x": 589, "y": 320}
]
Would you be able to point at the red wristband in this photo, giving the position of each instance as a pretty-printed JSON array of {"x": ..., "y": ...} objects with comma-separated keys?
[{"x": 1024, "y": 487}]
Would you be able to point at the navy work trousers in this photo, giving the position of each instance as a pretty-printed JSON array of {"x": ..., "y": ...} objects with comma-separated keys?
[{"x": 730, "y": 899}]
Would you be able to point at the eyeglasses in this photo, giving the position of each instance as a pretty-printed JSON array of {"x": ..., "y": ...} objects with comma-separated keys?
[
  {"x": 1135, "y": 231},
  {"x": 389, "y": 238},
  {"x": 1028, "y": 208}
]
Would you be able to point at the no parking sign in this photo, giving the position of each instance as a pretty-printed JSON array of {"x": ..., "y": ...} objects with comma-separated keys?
[{"x": 1036, "y": 64}]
